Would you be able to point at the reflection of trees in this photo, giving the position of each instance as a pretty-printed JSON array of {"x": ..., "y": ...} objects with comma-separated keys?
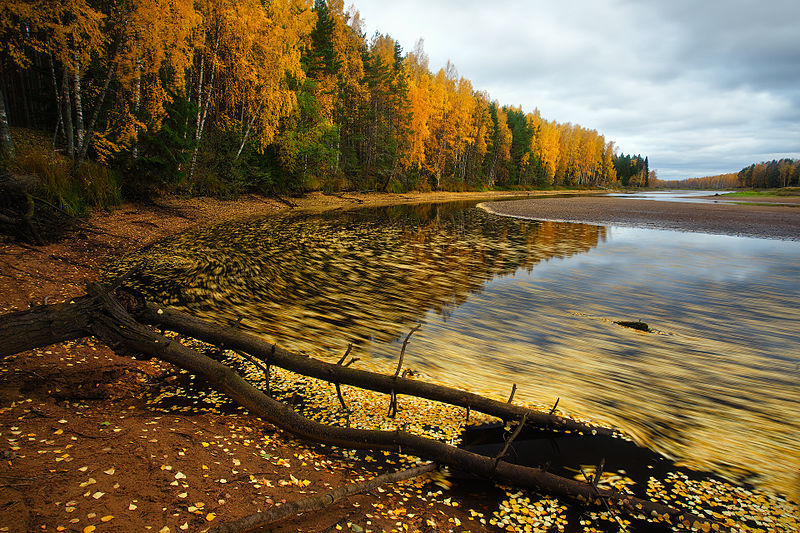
[{"x": 319, "y": 281}]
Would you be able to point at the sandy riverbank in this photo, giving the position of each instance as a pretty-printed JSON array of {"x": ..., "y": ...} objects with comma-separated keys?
[{"x": 764, "y": 221}]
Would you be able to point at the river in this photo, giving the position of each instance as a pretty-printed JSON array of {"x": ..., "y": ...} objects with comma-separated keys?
[{"x": 714, "y": 385}]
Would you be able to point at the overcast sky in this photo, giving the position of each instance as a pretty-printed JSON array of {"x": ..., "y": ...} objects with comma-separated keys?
[{"x": 700, "y": 86}]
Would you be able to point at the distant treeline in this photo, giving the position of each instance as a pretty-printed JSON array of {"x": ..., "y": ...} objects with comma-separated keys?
[
  {"x": 721, "y": 181},
  {"x": 221, "y": 96},
  {"x": 770, "y": 174},
  {"x": 766, "y": 175}
]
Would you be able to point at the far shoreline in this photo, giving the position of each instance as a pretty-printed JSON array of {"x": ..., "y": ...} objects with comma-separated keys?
[{"x": 724, "y": 218}]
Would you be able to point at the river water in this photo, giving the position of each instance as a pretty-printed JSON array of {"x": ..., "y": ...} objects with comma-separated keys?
[{"x": 715, "y": 385}]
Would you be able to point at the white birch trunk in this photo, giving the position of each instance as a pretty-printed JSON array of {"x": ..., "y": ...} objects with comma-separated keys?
[{"x": 76, "y": 89}]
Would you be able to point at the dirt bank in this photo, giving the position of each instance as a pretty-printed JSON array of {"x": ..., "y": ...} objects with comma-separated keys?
[{"x": 765, "y": 221}]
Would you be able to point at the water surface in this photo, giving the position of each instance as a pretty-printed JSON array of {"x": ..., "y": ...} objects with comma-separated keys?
[{"x": 505, "y": 301}]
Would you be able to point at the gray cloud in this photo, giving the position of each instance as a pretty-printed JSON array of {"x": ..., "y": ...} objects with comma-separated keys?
[{"x": 700, "y": 87}]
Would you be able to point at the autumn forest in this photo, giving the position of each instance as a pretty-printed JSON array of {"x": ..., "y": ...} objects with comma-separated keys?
[{"x": 217, "y": 97}]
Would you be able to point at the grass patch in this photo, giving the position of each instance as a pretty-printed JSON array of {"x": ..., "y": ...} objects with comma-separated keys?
[
  {"x": 766, "y": 204},
  {"x": 91, "y": 186},
  {"x": 788, "y": 191}
]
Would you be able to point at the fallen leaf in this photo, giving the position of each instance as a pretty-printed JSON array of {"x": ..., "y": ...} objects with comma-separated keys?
[
  {"x": 210, "y": 516},
  {"x": 107, "y": 518},
  {"x": 110, "y": 471}
]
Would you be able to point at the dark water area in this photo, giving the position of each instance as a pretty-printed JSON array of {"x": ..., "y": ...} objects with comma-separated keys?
[{"x": 715, "y": 385}]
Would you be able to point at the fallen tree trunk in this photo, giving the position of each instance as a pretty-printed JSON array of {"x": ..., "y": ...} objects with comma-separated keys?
[
  {"x": 315, "y": 503},
  {"x": 44, "y": 325},
  {"x": 109, "y": 321},
  {"x": 335, "y": 373}
]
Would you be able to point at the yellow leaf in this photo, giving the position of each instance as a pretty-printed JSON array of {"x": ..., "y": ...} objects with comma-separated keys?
[
  {"x": 210, "y": 516},
  {"x": 89, "y": 529},
  {"x": 107, "y": 518}
]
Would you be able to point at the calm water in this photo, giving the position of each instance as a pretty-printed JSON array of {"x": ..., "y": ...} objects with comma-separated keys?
[{"x": 505, "y": 301}]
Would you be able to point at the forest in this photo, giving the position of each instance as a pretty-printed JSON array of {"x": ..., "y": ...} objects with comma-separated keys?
[
  {"x": 771, "y": 174},
  {"x": 218, "y": 97},
  {"x": 765, "y": 175}
]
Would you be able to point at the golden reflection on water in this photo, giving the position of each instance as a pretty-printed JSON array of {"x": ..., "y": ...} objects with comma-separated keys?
[{"x": 716, "y": 386}]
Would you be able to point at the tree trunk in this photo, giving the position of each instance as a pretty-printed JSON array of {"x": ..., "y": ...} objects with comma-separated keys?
[
  {"x": 76, "y": 89},
  {"x": 84, "y": 148},
  {"x": 247, "y": 131},
  {"x": 66, "y": 114},
  {"x": 197, "y": 133},
  {"x": 202, "y": 107},
  {"x": 44, "y": 325},
  {"x": 138, "y": 99},
  {"x": 59, "y": 120},
  {"x": 6, "y": 142}
]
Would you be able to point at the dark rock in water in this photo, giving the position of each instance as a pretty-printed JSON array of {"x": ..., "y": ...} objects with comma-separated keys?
[{"x": 640, "y": 326}]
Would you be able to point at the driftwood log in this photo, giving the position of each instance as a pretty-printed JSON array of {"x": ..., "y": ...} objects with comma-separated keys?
[
  {"x": 272, "y": 354},
  {"x": 102, "y": 315}
]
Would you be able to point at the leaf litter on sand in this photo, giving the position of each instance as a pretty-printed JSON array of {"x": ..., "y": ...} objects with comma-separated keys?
[
  {"x": 519, "y": 510},
  {"x": 266, "y": 458}
]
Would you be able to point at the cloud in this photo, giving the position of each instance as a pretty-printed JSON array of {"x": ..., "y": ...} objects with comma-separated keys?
[{"x": 699, "y": 87}]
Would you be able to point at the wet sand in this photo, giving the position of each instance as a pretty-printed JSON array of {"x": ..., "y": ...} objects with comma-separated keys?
[{"x": 763, "y": 221}]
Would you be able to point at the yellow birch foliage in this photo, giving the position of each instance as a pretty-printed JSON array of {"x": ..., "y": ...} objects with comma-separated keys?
[
  {"x": 151, "y": 35},
  {"x": 504, "y": 137},
  {"x": 347, "y": 44},
  {"x": 254, "y": 48},
  {"x": 548, "y": 148},
  {"x": 419, "y": 102}
]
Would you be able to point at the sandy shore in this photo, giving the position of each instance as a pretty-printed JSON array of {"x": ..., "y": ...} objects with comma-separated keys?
[{"x": 764, "y": 221}]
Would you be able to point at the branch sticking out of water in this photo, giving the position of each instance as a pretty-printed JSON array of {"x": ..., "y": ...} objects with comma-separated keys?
[
  {"x": 403, "y": 349},
  {"x": 553, "y": 410},
  {"x": 513, "y": 392},
  {"x": 513, "y": 436}
]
